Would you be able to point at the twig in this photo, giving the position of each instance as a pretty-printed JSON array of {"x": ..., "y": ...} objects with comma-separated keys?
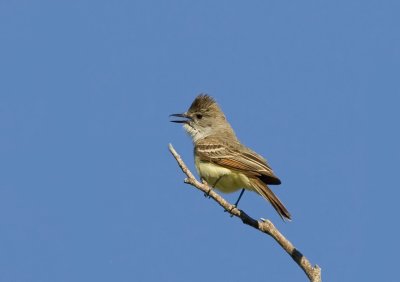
[{"x": 265, "y": 225}]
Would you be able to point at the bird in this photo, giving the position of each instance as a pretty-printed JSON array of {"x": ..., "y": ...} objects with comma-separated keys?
[{"x": 221, "y": 159}]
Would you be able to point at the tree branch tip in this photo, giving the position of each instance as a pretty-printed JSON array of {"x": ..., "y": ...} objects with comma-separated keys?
[{"x": 172, "y": 150}]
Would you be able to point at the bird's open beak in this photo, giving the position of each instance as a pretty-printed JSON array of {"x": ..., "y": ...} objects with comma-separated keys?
[{"x": 184, "y": 115}]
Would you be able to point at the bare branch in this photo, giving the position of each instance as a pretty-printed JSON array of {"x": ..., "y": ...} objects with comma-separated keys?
[{"x": 265, "y": 225}]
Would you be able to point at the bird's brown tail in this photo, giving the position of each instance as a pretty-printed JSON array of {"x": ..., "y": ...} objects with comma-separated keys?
[{"x": 264, "y": 191}]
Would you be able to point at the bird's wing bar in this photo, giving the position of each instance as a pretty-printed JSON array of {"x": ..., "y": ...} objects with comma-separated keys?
[{"x": 245, "y": 161}]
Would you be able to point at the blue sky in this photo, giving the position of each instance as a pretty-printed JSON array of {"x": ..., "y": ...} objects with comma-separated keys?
[{"x": 89, "y": 191}]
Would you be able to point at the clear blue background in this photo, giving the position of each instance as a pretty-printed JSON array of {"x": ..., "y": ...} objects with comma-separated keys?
[{"x": 89, "y": 191}]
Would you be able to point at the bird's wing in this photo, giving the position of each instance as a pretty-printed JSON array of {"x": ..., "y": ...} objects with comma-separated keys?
[{"x": 243, "y": 160}]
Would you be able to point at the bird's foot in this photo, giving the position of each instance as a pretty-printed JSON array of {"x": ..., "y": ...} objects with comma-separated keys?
[
  {"x": 207, "y": 194},
  {"x": 231, "y": 209}
]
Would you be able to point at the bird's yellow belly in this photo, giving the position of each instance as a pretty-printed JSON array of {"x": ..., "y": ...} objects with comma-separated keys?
[{"x": 223, "y": 179}]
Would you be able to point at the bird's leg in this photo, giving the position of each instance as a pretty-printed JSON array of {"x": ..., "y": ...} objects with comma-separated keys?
[
  {"x": 240, "y": 196},
  {"x": 207, "y": 194},
  {"x": 237, "y": 202}
]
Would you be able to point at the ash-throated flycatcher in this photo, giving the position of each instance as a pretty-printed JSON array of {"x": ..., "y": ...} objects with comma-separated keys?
[{"x": 221, "y": 159}]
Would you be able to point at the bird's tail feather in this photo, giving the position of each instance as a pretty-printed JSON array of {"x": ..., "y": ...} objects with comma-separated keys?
[{"x": 264, "y": 191}]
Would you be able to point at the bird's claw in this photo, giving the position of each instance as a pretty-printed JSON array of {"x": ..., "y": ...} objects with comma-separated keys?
[
  {"x": 231, "y": 209},
  {"x": 207, "y": 194}
]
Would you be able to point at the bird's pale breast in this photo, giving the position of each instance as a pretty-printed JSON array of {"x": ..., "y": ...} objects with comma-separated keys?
[{"x": 229, "y": 180}]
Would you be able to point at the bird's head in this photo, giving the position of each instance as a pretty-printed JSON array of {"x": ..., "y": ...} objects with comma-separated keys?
[{"x": 204, "y": 118}]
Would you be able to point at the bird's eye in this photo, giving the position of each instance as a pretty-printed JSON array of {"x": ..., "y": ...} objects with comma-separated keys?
[{"x": 199, "y": 116}]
